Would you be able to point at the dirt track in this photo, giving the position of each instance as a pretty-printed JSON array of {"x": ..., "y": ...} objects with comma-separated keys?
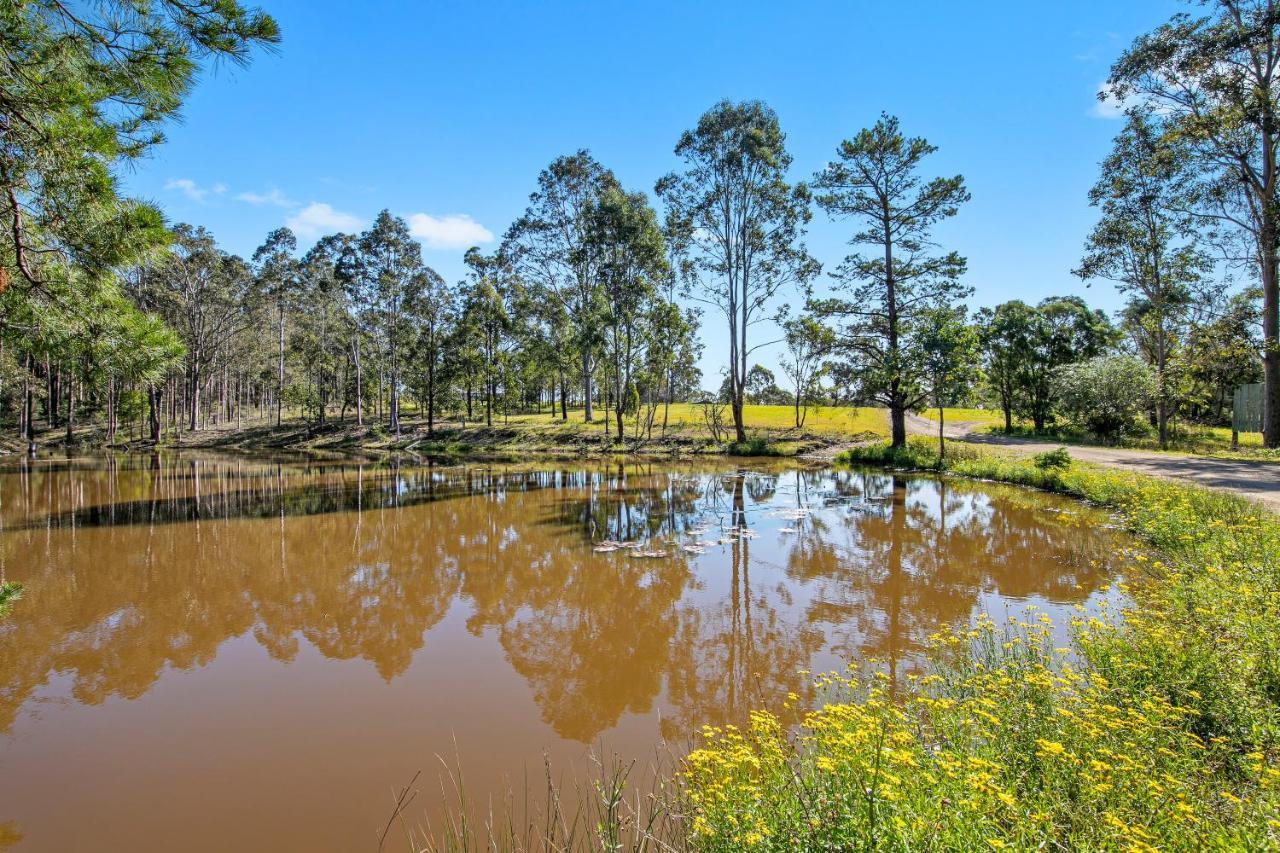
[{"x": 1259, "y": 481}]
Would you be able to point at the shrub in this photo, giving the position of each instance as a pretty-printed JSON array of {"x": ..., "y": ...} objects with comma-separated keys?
[
  {"x": 1106, "y": 394},
  {"x": 1052, "y": 459}
]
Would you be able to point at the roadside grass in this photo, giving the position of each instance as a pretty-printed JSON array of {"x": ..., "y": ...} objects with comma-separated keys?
[
  {"x": 1192, "y": 438},
  {"x": 1159, "y": 727}
]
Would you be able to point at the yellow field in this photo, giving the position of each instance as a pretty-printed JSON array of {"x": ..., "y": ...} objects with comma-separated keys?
[
  {"x": 957, "y": 416},
  {"x": 686, "y": 418}
]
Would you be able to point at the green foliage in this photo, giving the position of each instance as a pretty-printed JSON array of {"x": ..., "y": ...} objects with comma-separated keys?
[
  {"x": 741, "y": 223},
  {"x": 1106, "y": 394},
  {"x": 1051, "y": 460},
  {"x": 875, "y": 181},
  {"x": 87, "y": 87}
]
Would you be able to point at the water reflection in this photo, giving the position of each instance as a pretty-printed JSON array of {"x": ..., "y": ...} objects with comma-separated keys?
[{"x": 136, "y": 569}]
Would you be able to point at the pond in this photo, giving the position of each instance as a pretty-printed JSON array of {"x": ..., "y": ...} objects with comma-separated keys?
[{"x": 220, "y": 653}]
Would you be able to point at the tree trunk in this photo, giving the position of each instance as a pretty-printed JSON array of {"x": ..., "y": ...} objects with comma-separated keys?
[
  {"x": 71, "y": 406},
  {"x": 942, "y": 438},
  {"x": 898, "y": 424},
  {"x": 586, "y": 385},
  {"x": 153, "y": 404},
  {"x": 280, "y": 369}
]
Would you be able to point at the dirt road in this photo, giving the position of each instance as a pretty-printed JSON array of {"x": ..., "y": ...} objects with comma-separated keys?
[{"x": 1259, "y": 481}]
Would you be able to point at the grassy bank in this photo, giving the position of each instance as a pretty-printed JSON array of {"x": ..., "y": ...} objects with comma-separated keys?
[
  {"x": 1159, "y": 728},
  {"x": 771, "y": 431},
  {"x": 1193, "y": 439}
]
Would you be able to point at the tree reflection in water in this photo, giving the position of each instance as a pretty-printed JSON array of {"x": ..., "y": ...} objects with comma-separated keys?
[{"x": 141, "y": 566}]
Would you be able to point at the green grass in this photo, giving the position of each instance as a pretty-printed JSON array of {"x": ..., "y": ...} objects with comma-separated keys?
[
  {"x": 1193, "y": 439},
  {"x": 1159, "y": 728}
]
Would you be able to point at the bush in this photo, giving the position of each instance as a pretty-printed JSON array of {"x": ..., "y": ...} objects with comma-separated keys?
[
  {"x": 1052, "y": 459},
  {"x": 1106, "y": 394}
]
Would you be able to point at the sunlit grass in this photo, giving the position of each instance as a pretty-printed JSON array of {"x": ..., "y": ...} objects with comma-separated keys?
[{"x": 687, "y": 419}]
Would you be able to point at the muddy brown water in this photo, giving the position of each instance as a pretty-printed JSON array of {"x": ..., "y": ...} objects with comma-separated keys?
[{"x": 225, "y": 654}]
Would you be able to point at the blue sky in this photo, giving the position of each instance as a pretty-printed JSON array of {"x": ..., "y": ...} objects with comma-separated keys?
[{"x": 444, "y": 113}]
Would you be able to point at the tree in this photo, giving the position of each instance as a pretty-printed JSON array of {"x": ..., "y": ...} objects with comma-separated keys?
[
  {"x": 384, "y": 267},
  {"x": 86, "y": 87},
  {"x": 808, "y": 343},
  {"x": 485, "y": 321},
  {"x": 279, "y": 279},
  {"x": 744, "y": 223},
  {"x": 547, "y": 247},
  {"x": 1215, "y": 80},
  {"x": 949, "y": 351},
  {"x": 1106, "y": 394},
  {"x": 623, "y": 234},
  {"x": 1146, "y": 243},
  {"x": 1063, "y": 331},
  {"x": 324, "y": 322},
  {"x": 1007, "y": 351},
  {"x": 203, "y": 293},
  {"x": 1222, "y": 355},
  {"x": 431, "y": 310},
  {"x": 875, "y": 182}
]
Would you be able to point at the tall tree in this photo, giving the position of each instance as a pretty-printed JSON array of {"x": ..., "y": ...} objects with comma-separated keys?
[
  {"x": 206, "y": 295},
  {"x": 430, "y": 309},
  {"x": 1215, "y": 80},
  {"x": 547, "y": 247},
  {"x": 875, "y": 181},
  {"x": 1005, "y": 336},
  {"x": 623, "y": 233},
  {"x": 744, "y": 223},
  {"x": 384, "y": 267},
  {"x": 279, "y": 278},
  {"x": 949, "y": 351},
  {"x": 486, "y": 321},
  {"x": 85, "y": 87},
  {"x": 1146, "y": 242}
]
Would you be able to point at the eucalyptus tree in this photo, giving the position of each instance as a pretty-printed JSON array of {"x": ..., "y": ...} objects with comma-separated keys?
[
  {"x": 206, "y": 295},
  {"x": 279, "y": 278},
  {"x": 624, "y": 237},
  {"x": 743, "y": 223},
  {"x": 383, "y": 268},
  {"x": 485, "y": 321},
  {"x": 547, "y": 248},
  {"x": 431, "y": 312},
  {"x": 875, "y": 181},
  {"x": 949, "y": 352},
  {"x": 1215, "y": 79},
  {"x": 808, "y": 343},
  {"x": 1146, "y": 242},
  {"x": 325, "y": 324},
  {"x": 86, "y": 88},
  {"x": 1008, "y": 352}
]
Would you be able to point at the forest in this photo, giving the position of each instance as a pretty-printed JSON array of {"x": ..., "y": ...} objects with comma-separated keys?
[{"x": 122, "y": 328}]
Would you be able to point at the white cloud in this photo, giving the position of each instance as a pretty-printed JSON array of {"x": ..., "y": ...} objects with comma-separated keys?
[
  {"x": 272, "y": 196},
  {"x": 318, "y": 218},
  {"x": 194, "y": 191},
  {"x": 451, "y": 231}
]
